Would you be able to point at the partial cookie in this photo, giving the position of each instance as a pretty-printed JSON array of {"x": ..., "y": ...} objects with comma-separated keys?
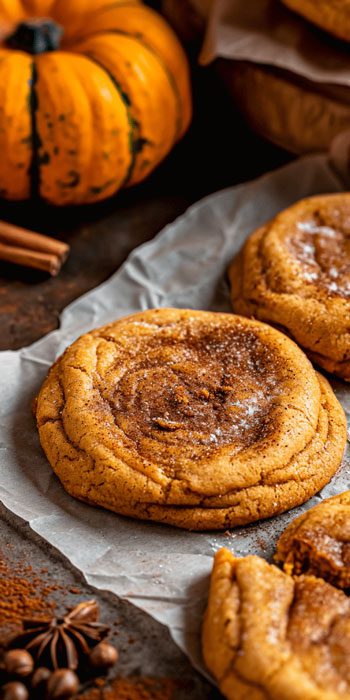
[
  {"x": 294, "y": 272},
  {"x": 267, "y": 636},
  {"x": 296, "y": 114},
  {"x": 197, "y": 419},
  {"x": 318, "y": 542},
  {"x": 331, "y": 15}
]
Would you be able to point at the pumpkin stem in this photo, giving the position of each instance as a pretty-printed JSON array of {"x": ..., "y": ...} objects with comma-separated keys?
[{"x": 36, "y": 36}]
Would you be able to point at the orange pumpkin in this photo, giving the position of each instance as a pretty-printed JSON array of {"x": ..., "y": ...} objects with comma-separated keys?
[{"x": 92, "y": 110}]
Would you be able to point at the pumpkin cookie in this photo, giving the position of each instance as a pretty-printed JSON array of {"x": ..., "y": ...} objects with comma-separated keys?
[
  {"x": 289, "y": 110},
  {"x": 197, "y": 419},
  {"x": 294, "y": 272},
  {"x": 331, "y": 15},
  {"x": 318, "y": 542},
  {"x": 267, "y": 636}
]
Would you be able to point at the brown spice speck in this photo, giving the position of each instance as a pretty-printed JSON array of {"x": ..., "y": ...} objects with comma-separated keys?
[
  {"x": 204, "y": 393},
  {"x": 134, "y": 689},
  {"x": 22, "y": 594}
]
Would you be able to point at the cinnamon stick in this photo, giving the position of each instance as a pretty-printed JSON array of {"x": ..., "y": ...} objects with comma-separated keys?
[
  {"x": 17, "y": 245},
  {"x": 31, "y": 258}
]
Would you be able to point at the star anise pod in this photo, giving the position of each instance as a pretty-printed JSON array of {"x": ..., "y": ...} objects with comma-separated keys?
[{"x": 62, "y": 642}]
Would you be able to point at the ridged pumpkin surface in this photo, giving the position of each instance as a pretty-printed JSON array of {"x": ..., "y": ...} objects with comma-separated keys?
[{"x": 100, "y": 113}]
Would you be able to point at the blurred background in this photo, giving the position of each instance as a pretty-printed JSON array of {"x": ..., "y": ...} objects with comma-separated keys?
[{"x": 267, "y": 86}]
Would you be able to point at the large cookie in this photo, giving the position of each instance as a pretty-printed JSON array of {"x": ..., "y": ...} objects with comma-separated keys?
[
  {"x": 318, "y": 542},
  {"x": 294, "y": 272},
  {"x": 331, "y": 15},
  {"x": 267, "y": 636},
  {"x": 192, "y": 418}
]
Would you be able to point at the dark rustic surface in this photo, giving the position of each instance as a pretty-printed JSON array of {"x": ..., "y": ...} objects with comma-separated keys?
[
  {"x": 218, "y": 152},
  {"x": 145, "y": 647}
]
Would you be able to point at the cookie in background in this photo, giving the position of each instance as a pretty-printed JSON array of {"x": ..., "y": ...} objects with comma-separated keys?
[
  {"x": 294, "y": 272},
  {"x": 332, "y": 16},
  {"x": 290, "y": 81}
]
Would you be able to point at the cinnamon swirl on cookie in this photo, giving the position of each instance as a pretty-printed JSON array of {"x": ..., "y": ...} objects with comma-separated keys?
[
  {"x": 268, "y": 636},
  {"x": 294, "y": 272},
  {"x": 197, "y": 419}
]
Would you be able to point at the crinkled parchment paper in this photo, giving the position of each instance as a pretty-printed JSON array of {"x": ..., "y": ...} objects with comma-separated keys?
[
  {"x": 161, "y": 569},
  {"x": 266, "y": 32}
]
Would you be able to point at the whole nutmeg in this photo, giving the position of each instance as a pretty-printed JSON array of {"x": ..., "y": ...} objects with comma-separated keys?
[
  {"x": 18, "y": 662},
  {"x": 14, "y": 691},
  {"x": 40, "y": 677},
  {"x": 62, "y": 683},
  {"x": 103, "y": 655}
]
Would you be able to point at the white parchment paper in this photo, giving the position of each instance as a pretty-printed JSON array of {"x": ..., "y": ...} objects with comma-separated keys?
[{"x": 161, "y": 569}]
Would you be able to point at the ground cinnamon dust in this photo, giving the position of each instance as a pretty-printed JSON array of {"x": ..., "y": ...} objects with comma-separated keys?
[
  {"x": 134, "y": 689},
  {"x": 23, "y": 593}
]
